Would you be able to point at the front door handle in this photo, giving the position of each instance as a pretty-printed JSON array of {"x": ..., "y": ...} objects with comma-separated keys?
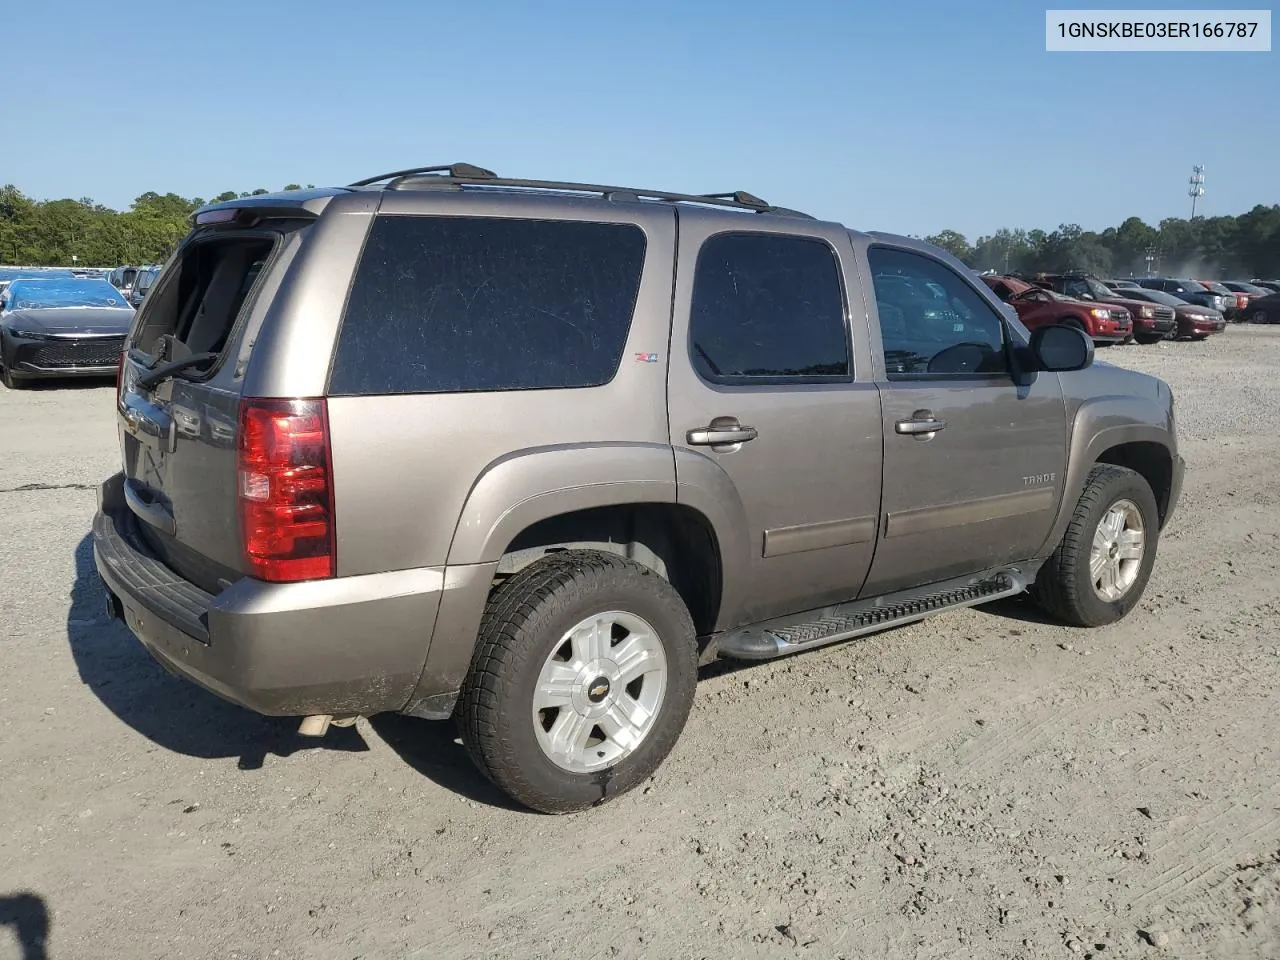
[
  {"x": 722, "y": 431},
  {"x": 920, "y": 424}
]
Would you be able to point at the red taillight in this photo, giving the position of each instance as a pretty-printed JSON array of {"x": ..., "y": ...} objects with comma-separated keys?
[{"x": 286, "y": 489}]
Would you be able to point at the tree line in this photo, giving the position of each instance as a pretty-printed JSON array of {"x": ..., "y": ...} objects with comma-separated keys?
[
  {"x": 1206, "y": 248},
  {"x": 52, "y": 232}
]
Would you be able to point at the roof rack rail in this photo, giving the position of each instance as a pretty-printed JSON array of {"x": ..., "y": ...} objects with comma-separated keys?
[
  {"x": 467, "y": 171},
  {"x": 463, "y": 174}
]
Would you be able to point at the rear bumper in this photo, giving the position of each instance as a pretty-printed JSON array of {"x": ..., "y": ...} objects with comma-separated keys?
[{"x": 353, "y": 645}]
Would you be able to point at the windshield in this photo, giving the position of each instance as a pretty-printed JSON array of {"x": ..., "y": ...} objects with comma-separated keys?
[
  {"x": 1156, "y": 296},
  {"x": 1217, "y": 288},
  {"x": 1087, "y": 288},
  {"x": 51, "y": 294},
  {"x": 1246, "y": 288}
]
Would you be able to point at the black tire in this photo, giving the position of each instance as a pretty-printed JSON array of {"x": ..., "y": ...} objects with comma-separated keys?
[
  {"x": 1258, "y": 316},
  {"x": 1064, "y": 588},
  {"x": 11, "y": 380},
  {"x": 1146, "y": 341},
  {"x": 1199, "y": 336},
  {"x": 524, "y": 623}
]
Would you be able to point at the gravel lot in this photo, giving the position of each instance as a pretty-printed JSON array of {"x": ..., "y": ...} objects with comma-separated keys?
[{"x": 983, "y": 784}]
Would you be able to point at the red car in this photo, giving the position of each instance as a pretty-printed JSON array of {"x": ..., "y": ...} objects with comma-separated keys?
[
  {"x": 1038, "y": 307},
  {"x": 1194, "y": 321},
  {"x": 1151, "y": 322}
]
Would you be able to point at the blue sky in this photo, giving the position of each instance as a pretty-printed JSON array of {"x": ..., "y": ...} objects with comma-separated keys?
[{"x": 898, "y": 115}]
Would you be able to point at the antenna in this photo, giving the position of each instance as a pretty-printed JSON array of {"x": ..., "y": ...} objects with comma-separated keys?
[{"x": 1195, "y": 190}]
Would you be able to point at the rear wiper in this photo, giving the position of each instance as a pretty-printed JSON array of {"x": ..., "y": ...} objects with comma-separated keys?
[{"x": 167, "y": 370}]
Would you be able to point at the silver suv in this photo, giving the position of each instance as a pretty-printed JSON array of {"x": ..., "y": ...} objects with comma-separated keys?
[{"x": 526, "y": 454}]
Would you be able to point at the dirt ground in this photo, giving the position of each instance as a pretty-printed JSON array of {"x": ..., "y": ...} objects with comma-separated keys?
[{"x": 983, "y": 784}]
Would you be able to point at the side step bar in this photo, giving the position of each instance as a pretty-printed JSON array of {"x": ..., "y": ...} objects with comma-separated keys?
[{"x": 844, "y": 621}]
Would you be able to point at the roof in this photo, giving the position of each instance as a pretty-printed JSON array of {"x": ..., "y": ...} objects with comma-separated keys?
[{"x": 458, "y": 177}]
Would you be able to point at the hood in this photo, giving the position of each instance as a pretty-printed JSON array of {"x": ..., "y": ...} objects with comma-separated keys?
[
  {"x": 1101, "y": 379},
  {"x": 1133, "y": 306},
  {"x": 1187, "y": 309},
  {"x": 68, "y": 321}
]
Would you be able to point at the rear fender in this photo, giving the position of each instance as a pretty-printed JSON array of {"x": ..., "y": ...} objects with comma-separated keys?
[
  {"x": 525, "y": 487},
  {"x": 512, "y": 494}
]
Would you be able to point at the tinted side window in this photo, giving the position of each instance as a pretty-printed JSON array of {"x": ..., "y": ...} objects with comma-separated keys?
[
  {"x": 454, "y": 304},
  {"x": 768, "y": 307},
  {"x": 931, "y": 321}
]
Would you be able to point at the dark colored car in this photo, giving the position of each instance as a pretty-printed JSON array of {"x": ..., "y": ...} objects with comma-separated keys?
[
  {"x": 141, "y": 284},
  {"x": 1246, "y": 293},
  {"x": 1194, "y": 322},
  {"x": 1235, "y": 302},
  {"x": 1152, "y": 322},
  {"x": 61, "y": 328},
  {"x": 1192, "y": 291},
  {"x": 1263, "y": 310},
  {"x": 1038, "y": 307},
  {"x": 1272, "y": 286},
  {"x": 122, "y": 278}
]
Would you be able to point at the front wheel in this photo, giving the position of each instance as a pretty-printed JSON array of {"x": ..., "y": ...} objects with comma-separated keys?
[
  {"x": 11, "y": 380},
  {"x": 1101, "y": 567},
  {"x": 582, "y": 680}
]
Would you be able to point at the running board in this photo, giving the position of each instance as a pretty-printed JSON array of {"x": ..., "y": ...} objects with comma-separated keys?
[{"x": 844, "y": 621}]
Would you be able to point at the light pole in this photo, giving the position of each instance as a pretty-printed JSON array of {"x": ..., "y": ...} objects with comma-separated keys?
[{"x": 1195, "y": 189}]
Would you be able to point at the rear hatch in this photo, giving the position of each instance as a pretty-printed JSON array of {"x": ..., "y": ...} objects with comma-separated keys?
[{"x": 179, "y": 427}]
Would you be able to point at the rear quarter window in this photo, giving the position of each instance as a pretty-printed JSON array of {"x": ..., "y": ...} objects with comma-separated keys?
[{"x": 466, "y": 304}]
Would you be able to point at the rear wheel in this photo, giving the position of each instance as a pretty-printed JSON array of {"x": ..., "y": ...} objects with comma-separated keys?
[
  {"x": 1101, "y": 567},
  {"x": 1260, "y": 316},
  {"x": 581, "y": 683}
]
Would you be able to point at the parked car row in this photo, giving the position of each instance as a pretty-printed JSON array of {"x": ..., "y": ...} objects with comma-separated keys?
[
  {"x": 1254, "y": 301},
  {"x": 1114, "y": 311}
]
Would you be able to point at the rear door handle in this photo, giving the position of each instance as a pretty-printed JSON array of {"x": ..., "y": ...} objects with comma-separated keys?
[{"x": 722, "y": 431}]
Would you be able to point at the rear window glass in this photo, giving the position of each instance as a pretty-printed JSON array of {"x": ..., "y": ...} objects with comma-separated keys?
[
  {"x": 200, "y": 299},
  {"x": 458, "y": 304}
]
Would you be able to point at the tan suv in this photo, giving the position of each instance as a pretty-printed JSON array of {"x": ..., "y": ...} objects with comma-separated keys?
[{"x": 527, "y": 453}]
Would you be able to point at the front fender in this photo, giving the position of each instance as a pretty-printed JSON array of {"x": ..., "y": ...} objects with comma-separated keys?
[
  {"x": 1101, "y": 424},
  {"x": 518, "y": 490}
]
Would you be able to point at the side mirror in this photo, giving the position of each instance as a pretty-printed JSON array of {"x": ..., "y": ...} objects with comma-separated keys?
[{"x": 1060, "y": 349}]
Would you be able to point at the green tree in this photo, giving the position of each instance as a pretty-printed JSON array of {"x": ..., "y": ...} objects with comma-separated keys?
[{"x": 954, "y": 243}]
